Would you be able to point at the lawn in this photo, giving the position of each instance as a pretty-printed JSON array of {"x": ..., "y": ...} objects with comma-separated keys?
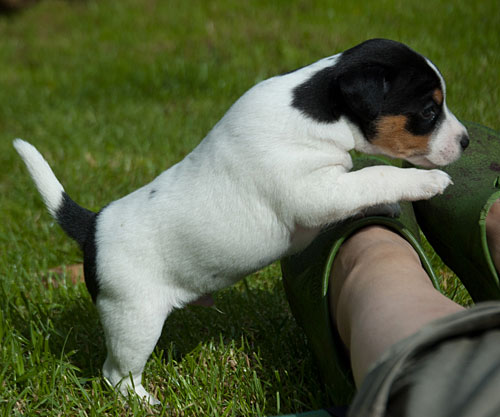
[{"x": 113, "y": 93}]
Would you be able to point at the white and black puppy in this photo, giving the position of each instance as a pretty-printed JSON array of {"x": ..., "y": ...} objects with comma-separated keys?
[{"x": 260, "y": 186}]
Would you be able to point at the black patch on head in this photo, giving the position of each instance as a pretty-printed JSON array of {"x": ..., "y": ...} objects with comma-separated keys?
[
  {"x": 376, "y": 78},
  {"x": 314, "y": 97},
  {"x": 152, "y": 193}
]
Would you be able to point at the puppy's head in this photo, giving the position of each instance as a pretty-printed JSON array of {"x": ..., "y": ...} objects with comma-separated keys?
[{"x": 398, "y": 100}]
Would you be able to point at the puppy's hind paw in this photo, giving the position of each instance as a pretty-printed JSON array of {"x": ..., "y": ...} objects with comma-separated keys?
[
  {"x": 126, "y": 387},
  {"x": 141, "y": 392},
  {"x": 146, "y": 396}
]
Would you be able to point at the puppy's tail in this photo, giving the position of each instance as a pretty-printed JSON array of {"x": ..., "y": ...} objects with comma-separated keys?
[{"x": 75, "y": 220}]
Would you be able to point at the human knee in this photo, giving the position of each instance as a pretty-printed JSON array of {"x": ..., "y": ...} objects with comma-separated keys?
[
  {"x": 493, "y": 221},
  {"x": 369, "y": 253},
  {"x": 378, "y": 243}
]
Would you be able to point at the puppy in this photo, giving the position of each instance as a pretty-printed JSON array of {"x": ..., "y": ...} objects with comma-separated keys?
[{"x": 260, "y": 186}]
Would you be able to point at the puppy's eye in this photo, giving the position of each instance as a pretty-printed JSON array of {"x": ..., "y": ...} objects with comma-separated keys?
[{"x": 429, "y": 113}]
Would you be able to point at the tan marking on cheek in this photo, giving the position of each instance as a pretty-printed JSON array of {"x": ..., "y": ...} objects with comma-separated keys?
[
  {"x": 393, "y": 139},
  {"x": 438, "y": 96}
]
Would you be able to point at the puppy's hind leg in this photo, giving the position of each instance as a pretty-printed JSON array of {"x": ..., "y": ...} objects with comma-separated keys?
[{"x": 132, "y": 325}]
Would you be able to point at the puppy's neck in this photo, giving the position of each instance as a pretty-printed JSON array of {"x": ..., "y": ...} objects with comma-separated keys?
[
  {"x": 359, "y": 139},
  {"x": 346, "y": 135}
]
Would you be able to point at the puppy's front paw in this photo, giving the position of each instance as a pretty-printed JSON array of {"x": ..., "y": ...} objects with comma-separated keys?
[
  {"x": 438, "y": 182},
  {"x": 430, "y": 183}
]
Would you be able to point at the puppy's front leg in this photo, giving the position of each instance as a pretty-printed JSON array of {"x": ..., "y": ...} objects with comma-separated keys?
[{"x": 327, "y": 195}]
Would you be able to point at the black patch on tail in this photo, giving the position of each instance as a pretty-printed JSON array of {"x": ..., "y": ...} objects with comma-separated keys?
[
  {"x": 74, "y": 220},
  {"x": 89, "y": 260},
  {"x": 80, "y": 224}
]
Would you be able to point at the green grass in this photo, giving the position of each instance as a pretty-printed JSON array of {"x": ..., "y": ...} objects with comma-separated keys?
[{"x": 113, "y": 93}]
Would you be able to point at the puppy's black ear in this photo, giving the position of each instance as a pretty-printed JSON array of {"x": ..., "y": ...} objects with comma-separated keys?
[{"x": 363, "y": 91}]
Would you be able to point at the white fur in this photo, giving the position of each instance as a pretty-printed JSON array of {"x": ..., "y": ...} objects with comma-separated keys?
[
  {"x": 259, "y": 187},
  {"x": 46, "y": 182}
]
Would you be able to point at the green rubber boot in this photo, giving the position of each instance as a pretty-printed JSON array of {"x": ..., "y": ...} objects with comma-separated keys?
[{"x": 306, "y": 277}]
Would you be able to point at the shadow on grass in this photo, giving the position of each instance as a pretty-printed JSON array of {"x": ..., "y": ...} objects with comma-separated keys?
[
  {"x": 248, "y": 347},
  {"x": 261, "y": 317},
  {"x": 12, "y": 7}
]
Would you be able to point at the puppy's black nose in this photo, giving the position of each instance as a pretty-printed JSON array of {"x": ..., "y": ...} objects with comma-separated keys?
[{"x": 464, "y": 141}]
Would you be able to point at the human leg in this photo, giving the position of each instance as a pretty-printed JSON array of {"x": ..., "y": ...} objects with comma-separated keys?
[
  {"x": 413, "y": 351},
  {"x": 380, "y": 294}
]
